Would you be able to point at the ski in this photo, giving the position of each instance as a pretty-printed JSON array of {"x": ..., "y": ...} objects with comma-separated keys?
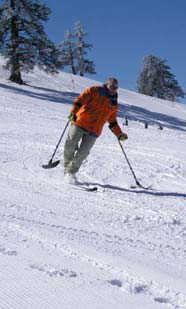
[
  {"x": 90, "y": 189},
  {"x": 83, "y": 186},
  {"x": 87, "y": 187}
]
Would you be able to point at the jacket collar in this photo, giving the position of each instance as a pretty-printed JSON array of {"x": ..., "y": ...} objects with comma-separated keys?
[{"x": 107, "y": 93}]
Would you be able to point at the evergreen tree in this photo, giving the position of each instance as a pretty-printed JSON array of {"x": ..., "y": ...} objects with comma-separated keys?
[
  {"x": 83, "y": 64},
  {"x": 67, "y": 55},
  {"x": 73, "y": 52},
  {"x": 23, "y": 40},
  {"x": 156, "y": 80}
]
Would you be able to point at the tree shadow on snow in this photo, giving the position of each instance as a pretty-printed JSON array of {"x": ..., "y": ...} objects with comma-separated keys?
[
  {"x": 136, "y": 113},
  {"x": 152, "y": 192},
  {"x": 48, "y": 94}
]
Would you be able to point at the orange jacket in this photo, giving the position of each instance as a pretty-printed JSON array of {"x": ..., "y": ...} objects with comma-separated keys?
[{"x": 94, "y": 107}]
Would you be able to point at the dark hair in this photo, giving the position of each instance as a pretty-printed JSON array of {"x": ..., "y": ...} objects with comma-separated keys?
[{"x": 112, "y": 79}]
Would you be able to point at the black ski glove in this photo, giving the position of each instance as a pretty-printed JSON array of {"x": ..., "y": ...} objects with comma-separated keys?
[
  {"x": 72, "y": 117},
  {"x": 122, "y": 137}
]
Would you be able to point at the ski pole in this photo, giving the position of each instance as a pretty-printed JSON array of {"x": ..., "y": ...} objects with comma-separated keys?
[
  {"x": 50, "y": 163},
  {"x": 132, "y": 171}
]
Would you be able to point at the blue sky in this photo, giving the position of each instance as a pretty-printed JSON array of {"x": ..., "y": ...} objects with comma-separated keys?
[{"x": 123, "y": 32}]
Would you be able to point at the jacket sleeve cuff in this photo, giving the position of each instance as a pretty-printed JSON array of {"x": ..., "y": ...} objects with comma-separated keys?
[
  {"x": 75, "y": 107},
  {"x": 115, "y": 128}
]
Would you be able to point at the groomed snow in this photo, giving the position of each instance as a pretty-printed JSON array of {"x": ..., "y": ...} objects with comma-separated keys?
[{"x": 62, "y": 247}]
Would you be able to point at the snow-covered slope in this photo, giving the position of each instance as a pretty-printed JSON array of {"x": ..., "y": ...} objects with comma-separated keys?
[{"x": 62, "y": 247}]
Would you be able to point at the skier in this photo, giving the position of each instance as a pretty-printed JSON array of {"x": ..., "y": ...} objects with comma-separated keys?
[{"x": 91, "y": 110}]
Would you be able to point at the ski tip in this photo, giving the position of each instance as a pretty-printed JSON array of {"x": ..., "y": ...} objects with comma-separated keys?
[{"x": 93, "y": 189}]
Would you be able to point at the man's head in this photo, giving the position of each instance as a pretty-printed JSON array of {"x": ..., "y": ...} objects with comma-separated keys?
[{"x": 112, "y": 85}]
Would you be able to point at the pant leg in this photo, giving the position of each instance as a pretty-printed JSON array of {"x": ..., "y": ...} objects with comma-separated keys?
[
  {"x": 74, "y": 136},
  {"x": 82, "y": 152}
]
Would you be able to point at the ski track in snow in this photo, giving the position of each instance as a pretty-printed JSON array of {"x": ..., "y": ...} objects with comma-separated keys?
[
  {"x": 115, "y": 248},
  {"x": 45, "y": 235}
]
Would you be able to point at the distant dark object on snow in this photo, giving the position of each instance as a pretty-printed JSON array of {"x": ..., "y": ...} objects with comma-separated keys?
[{"x": 126, "y": 122}]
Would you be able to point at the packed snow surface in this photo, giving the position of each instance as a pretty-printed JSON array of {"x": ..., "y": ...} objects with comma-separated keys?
[{"x": 64, "y": 247}]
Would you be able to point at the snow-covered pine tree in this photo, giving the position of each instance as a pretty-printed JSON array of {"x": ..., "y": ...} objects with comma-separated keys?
[
  {"x": 67, "y": 56},
  {"x": 73, "y": 51},
  {"x": 23, "y": 40},
  {"x": 83, "y": 64},
  {"x": 156, "y": 80}
]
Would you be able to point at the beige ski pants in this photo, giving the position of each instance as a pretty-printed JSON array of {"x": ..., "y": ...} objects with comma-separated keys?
[{"x": 77, "y": 147}]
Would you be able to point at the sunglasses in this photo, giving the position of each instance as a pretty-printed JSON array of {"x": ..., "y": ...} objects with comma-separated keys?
[{"x": 112, "y": 87}]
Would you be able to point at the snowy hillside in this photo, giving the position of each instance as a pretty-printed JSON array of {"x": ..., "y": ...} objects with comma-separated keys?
[{"x": 63, "y": 247}]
